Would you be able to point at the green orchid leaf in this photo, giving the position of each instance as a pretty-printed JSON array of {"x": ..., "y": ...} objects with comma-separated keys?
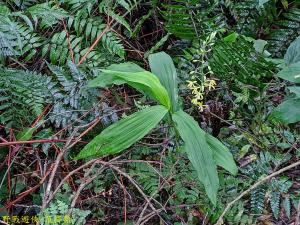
[
  {"x": 290, "y": 73},
  {"x": 288, "y": 111},
  {"x": 140, "y": 80},
  {"x": 124, "y": 133},
  {"x": 292, "y": 54},
  {"x": 199, "y": 152},
  {"x": 221, "y": 154},
  {"x": 162, "y": 66}
]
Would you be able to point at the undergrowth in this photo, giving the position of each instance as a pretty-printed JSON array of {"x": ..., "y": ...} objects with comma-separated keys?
[{"x": 72, "y": 71}]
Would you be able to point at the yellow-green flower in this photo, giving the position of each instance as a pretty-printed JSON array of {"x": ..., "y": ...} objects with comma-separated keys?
[
  {"x": 191, "y": 84},
  {"x": 211, "y": 84}
]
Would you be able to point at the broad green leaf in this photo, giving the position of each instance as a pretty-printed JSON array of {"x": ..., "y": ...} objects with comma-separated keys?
[
  {"x": 295, "y": 90},
  {"x": 143, "y": 81},
  {"x": 26, "y": 134},
  {"x": 199, "y": 152},
  {"x": 124, "y": 133},
  {"x": 231, "y": 37},
  {"x": 221, "y": 154},
  {"x": 290, "y": 73},
  {"x": 259, "y": 45},
  {"x": 288, "y": 111},
  {"x": 162, "y": 66},
  {"x": 126, "y": 67},
  {"x": 292, "y": 54}
]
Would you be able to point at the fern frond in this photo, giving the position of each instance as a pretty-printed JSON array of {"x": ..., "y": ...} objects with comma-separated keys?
[
  {"x": 48, "y": 12},
  {"x": 76, "y": 5},
  {"x": 239, "y": 60},
  {"x": 257, "y": 200},
  {"x": 23, "y": 4},
  {"x": 112, "y": 42},
  {"x": 59, "y": 48},
  {"x": 19, "y": 37},
  {"x": 6, "y": 48},
  {"x": 77, "y": 97},
  {"x": 24, "y": 94},
  {"x": 57, "y": 213},
  {"x": 127, "y": 4},
  {"x": 146, "y": 176},
  {"x": 275, "y": 203},
  {"x": 287, "y": 206},
  {"x": 189, "y": 19},
  {"x": 90, "y": 28},
  {"x": 250, "y": 18},
  {"x": 287, "y": 28}
]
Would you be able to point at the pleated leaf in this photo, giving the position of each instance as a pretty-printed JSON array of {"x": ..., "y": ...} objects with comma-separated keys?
[
  {"x": 221, "y": 154},
  {"x": 292, "y": 54},
  {"x": 199, "y": 152},
  {"x": 290, "y": 73},
  {"x": 124, "y": 133},
  {"x": 162, "y": 66},
  {"x": 141, "y": 80}
]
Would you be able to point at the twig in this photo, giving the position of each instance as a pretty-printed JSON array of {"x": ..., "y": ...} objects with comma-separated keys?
[
  {"x": 69, "y": 42},
  {"x": 142, "y": 217},
  {"x": 220, "y": 220},
  {"x": 83, "y": 184},
  {"x": 297, "y": 220},
  {"x": 66, "y": 178},
  {"x": 8, "y": 163},
  {"x": 125, "y": 203},
  {"x": 27, "y": 192},
  {"x": 59, "y": 157},
  {"x": 140, "y": 190},
  {"x": 95, "y": 43},
  {"x": 41, "y": 116},
  {"x": 108, "y": 26},
  {"x": 35, "y": 142}
]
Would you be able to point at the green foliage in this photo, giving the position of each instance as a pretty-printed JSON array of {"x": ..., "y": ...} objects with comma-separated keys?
[
  {"x": 198, "y": 153},
  {"x": 257, "y": 199},
  {"x": 275, "y": 194},
  {"x": 288, "y": 111},
  {"x": 74, "y": 96},
  {"x": 293, "y": 54},
  {"x": 48, "y": 39},
  {"x": 141, "y": 80},
  {"x": 287, "y": 29},
  {"x": 163, "y": 67},
  {"x": 23, "y": 95},
  {"x": 25, "y": 33},
  {"x": 237, "y": 60},
  {"x": 221, "y": 154},
  {"x": 147, "y": 176},
  {"x": 49, "y": 13},
  {"x": 250, "y": 17},
  {"x": 26, "y": 134},
  {"x": 91, "y": 28},
  {"x": 18, "y": 38},
  {"x": 157, "y": 46},
  {"x": 192, "y": 19},
  {"x": 58, "y": 213},
  {"x": 124, "y": 133}
]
